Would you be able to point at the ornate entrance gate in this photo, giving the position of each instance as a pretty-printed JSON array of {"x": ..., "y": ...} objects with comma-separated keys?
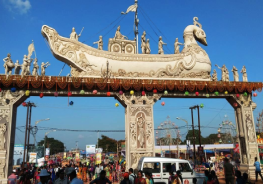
[{"x": 151, "y": 76}]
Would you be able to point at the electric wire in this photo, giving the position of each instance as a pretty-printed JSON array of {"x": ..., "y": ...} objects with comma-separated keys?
[{"x": 102, "y": 29}]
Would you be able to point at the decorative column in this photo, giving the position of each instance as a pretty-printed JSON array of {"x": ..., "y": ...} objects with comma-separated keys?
[
  {"x": 247, "y": 134},
  {"x": 9, "y": 102},
  {"x": 139, "y": 127}
]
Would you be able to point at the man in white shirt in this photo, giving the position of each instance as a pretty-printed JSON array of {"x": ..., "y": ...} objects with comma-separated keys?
[
  {"x": 131, "y": 176},
  {"x": 62, "y": 179},
  {"x": 72, "y": 175}
]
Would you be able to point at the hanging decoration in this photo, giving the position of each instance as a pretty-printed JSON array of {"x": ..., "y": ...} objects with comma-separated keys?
[
  {"x": 13, "y": 89},
  {"x": 235, "y": 104},
  {"x": 186, "y": 93},
  {"x": 197, "y": 93},
  {"x": 27, "y": 93},
  {"x": 95, "y": 92},
  {"x": 0, "y": 89},
  {"x": 108, "y": 93},
  {"x": 131, "y": 92},
  {"x": 116, "y": 105},
  {"x": 245, "y": 94},
  {"x": 143, "y": 93},
  {"x": 69, "y": 93},
  {"x": 120, "y": 92},
  {"x": 207, "y": 95},
  {"x": 155, "y": 91},
  {"x": 71, "y": 103},
  {"x": 56, "y": 94},
  {"x": 202, "y": 105},
  {"x": 165, "y": 92},
  {"x": 82, "y": 92},
  {"x": 237, "y": 95},
  {"x": 255, "y": 94},
  {"x": 24, "y": 104},
  {"x": 226, "y": 92},
  {"x": 216, "y": 93},
  {"x": 41, "y": 95},
  {"x": 163, "y": 103}
]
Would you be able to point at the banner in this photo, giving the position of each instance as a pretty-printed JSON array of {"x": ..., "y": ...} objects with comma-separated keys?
[
  {"x": 31, "y": 48},
  {"x": 65, "y": 155},
  {"x": 77, "y": 155},
  {"x": 99, "y": 150},
  {"x": 98, "y": 158},
  {"x": 47, "y": 151},
  {"x": 32, "y": 157},
  {"x": 18, "y": 154},
  {"x": 90, "y": 149}
]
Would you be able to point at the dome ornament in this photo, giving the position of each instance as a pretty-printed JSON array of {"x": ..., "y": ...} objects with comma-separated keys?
[{"x": 197, "y": 23}]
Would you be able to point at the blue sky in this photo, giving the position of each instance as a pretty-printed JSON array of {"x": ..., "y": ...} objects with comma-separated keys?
[{"x": 234, "y": 36}]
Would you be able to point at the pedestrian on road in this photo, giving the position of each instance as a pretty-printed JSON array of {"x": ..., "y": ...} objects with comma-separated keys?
[
  {"x": 258, "y": 170},
  {"x": 229, "y": 172},
  {"x": 131, "y": 176},
  {"x": 102, "y": 179}
]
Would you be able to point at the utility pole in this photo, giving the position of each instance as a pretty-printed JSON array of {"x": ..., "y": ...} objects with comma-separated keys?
[
  {"x": 199, "y": 131},
  {"x": 28, "y": 129},
  {"x": 25, "y": 146},
  {"x": 193, "y": 131}
]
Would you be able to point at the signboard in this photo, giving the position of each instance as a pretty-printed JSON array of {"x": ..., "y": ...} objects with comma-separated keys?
[
  {"x": 90, "y": 149},
  {"x": 18, "y": 154},
  {"x": 98, "y": 158},
  {"x": 32, "y": 157},
  {"x": 47, "y": 151},
  {"x": 99, "y": 150},
  {"x": 65, "y": 155}
]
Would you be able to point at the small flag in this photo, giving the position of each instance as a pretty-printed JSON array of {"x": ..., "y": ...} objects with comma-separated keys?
[
  {"x": 131, "y": 8},
  {"x": 31, "y": 48}
]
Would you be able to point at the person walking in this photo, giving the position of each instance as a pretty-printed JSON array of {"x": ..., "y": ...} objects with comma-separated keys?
[
  {"x": 258, "y": 169},
  {"x": 229, "y": 172},
  {"x": 131, "y": 176}
]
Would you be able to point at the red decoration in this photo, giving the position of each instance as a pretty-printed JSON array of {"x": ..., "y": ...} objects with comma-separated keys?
[
  {"x": 69, "y": 93},
  {"x": 120, "y": 92},
  {"x": 0, "y": 89},
  {"x": 24, "y": 104},
  {"x": 197, "y": 93},
  {"x": 155, "y": 91},
  {"x": 95, "y": 91},
  {"x": 255, "y": 94},
  {"x": 235, "y": 104},
  {"x": 41, "y": 95},
  {"x": 237, "y": 95},
  {"x": 56, "y": 94},
  {"x": 143, "y": 93},
  {"x": 108, "y": 93},
  {"x": 163, "y": 103}
]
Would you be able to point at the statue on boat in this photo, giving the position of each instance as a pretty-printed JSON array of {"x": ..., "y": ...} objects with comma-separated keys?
[{"x": 192, "y": 63}]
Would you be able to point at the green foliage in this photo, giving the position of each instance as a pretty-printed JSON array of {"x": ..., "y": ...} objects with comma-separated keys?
[
  {"x": 55, "y": 145},
  {"x": 108, "y": 144}
]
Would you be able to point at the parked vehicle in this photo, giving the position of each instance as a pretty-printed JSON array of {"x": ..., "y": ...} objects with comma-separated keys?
[{"x": 160, "y": 167}]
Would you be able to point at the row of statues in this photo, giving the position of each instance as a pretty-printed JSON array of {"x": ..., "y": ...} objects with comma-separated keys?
[
  {"x": 225, "y": 74},
  {"x": 145, "y": 43},
  {"x": 9, "y": 66}
]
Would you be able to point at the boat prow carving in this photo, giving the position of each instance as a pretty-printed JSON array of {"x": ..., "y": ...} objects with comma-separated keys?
[{"x": 85, "y": 61}]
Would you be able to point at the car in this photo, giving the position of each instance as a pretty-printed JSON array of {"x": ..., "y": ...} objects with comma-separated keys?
[{"x": 160, "y": 167}]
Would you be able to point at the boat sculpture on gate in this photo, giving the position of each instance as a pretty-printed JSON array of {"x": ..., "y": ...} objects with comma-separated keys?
[{"x": 192, "y": 63}]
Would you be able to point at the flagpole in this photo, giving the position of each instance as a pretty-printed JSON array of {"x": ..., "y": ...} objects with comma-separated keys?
[
  {"x": 136, "y": 22},
  {"x": 34, "y": 49}
]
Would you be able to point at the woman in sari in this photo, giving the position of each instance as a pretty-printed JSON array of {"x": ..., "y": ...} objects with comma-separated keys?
[
  {"x": 84, "y": 173},
  {"x": 79, "y": 175},
  {"x": 140, "y": 179}
]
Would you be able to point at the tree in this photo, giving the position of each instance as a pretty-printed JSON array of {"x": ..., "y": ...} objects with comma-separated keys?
[
  {"x": 189, "y": 136},
  {"x": 55, "y": 146},
  {"x": 108, "y": 144}
]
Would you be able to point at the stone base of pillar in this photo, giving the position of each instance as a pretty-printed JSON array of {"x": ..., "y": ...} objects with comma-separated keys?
[
  {"x": 249, "y": 169},
  {"x": 3, "y": 181}
]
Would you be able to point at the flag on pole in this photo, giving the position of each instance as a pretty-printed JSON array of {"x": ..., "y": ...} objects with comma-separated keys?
[
  {"x": 131, "y": 8},
  {"x": 31, "y": 48}
]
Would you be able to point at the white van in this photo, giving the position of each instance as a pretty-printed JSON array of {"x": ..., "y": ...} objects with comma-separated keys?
[{"x": 160, "y": 168}]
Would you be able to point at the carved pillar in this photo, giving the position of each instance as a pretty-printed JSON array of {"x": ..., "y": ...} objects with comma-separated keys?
[
  {"x": 8, "y": 107},
  {"x": 139, "y": 127},
  {"x": 247, "y": 135}
]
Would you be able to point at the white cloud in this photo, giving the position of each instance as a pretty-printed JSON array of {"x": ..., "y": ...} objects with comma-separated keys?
[
  {"x": 80, "y": 136},
  {"x": 21, "y": 6}
]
